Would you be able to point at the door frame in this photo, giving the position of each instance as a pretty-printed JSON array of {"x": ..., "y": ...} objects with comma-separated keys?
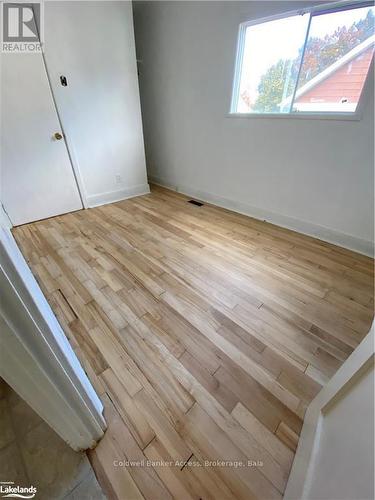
[
  {"x": 37, "y": 360},
  {"x": 354, "y": 367}
]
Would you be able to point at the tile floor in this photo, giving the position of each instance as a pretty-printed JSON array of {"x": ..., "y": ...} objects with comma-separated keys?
[{"x": 31, "y": 453}]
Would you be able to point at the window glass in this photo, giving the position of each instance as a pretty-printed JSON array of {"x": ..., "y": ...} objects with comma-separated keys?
[
  {"x": 270, "y": 64},
  {"x": 337, "y": 57},
  {"x": 304, "y": 63}
]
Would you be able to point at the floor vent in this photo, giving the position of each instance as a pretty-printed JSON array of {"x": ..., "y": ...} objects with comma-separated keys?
[{"x": 195, "y": 202}]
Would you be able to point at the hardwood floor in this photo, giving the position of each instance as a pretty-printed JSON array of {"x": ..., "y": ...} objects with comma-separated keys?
[{"x": 206, "y": 333}]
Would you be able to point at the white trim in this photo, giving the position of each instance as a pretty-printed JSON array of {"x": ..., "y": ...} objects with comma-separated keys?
[
  {"x": 96, "y": 200},
  {"x": 324, "y": 107},
  {"x": 303, "y": 115},
  {"x": 301, "y": 473},
  {"x": 237, "y": 68},
  {"x": 75, "y": 164},
  {"x": 5, "y": 221},
  {"x": 37, "y": 359},
  {"x": 344, "y": 240},
  {"x": 314, "y": 9}
]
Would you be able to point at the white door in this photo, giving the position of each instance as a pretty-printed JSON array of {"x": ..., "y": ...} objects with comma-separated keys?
[{"x": 36, "y": 172}]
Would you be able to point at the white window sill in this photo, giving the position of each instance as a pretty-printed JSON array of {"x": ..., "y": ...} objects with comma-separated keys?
[{"x": 300, "y": 116}]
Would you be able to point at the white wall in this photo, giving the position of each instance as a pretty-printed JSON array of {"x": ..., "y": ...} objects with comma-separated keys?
[
  {"x": 312, "y": 175},
  {"x": 92, "y": 44},
  {"x": 341, "y": 451},
  {"x": 335, "y": 454}
]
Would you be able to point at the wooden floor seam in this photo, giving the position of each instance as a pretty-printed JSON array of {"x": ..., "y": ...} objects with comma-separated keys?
[{"x": 205, "y": 333}]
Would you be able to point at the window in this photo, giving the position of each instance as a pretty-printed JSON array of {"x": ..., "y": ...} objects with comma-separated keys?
[{"x": 306, "y": 62}]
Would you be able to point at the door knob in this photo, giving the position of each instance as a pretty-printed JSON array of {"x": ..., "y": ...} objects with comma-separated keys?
[{"x": 57, "y": 136}]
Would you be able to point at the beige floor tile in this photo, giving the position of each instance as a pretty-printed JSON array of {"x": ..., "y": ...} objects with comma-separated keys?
[
  {"x": 88, "y": 489},
  {"x": 51, "y": 464},
  {"x": 31, "y": 453},
  {"x": 24, "y": 418},
  {"x": 12, "y": 397},
  {"x": 6, "y": 428},
  {"x": 11, "y": 466}
]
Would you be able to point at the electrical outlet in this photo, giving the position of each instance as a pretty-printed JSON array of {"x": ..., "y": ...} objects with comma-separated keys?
[{"x": 118, "y": 179}]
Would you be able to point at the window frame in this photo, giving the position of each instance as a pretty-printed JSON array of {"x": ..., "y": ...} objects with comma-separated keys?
[{"x": 311, "y": 12}]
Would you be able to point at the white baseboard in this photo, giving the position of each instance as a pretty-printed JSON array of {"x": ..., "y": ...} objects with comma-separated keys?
[
  {"x": 113, "y": 196},
  {"x": 344, "y": 240}
]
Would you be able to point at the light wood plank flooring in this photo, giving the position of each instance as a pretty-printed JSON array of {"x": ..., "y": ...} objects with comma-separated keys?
[{"x": 206, "y": 334}]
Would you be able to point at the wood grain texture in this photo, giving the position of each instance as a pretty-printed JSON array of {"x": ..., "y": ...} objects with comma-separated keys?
[{"x": 206, "y": 334}]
